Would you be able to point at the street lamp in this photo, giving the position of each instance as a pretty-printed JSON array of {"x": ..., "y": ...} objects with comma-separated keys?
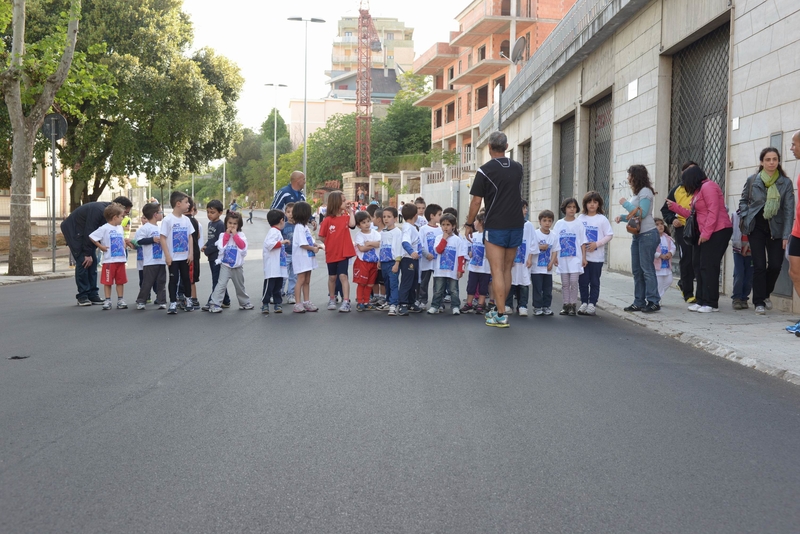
[
  {"x": 305, "y": 86},
  {"x": 275, "y": 138}
]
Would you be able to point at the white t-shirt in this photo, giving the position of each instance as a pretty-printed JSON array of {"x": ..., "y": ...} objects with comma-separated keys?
[
  {"x": 666, "y": 245},
  {"x": 520, "y": 272},
  {"x": 370, "y": 256},
  {"x": 446, "y": 265},
  {"x": 177, "y": 231},
  {"x": 427, "y": 240},
  {"x": 420, "y": 222},
  {"x": 302, "y": 260},
  {"x": 597, "y": 227},
  {"x": 391, "y": 244},
  {"x": 541, "y": 258},
  {"x": 112, "y": 237},
  {"x": 571, "y": 237},
  {"x": 151, "y": 254},
  {"x": 410, "y": 236},
  {"x": 230, "y": 254},
  {"x": 274, "y": 258},
  {"x": 477, "y": 261}
]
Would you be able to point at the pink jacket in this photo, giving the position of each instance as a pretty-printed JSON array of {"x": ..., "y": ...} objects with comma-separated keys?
[{"x": 709, "y": 205}]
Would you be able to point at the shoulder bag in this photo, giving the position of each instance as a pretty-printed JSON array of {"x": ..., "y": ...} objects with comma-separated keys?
[
  {"x": 691, "y": 230},
  {"x": 634, "y": 221}
]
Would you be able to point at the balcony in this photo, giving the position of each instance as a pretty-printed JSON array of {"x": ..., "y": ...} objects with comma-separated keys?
[
  {"x": 480, "y": 71},
  {"x": 435, "y": 97},
  {"x": 484, "y": 19},
  {"x": 435, "y": 59}
]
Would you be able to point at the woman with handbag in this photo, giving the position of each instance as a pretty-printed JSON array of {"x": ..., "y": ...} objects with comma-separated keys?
[
  {"x": 766, "y": 212},
  {"x": 715, "y": 230},
  {"x": 642, "y": 226}
]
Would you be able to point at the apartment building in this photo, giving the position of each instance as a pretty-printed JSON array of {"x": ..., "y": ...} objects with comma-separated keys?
[
  {"x": 397, "y": 46},
  {"x": 473, "y": 68}
]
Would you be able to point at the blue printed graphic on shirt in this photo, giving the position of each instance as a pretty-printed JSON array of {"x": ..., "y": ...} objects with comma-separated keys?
[
  {"x": 386, "y": 252},
  {"x": 448, "y": 259},
  {"x": 520, "y": 257},
  {"x": 310, "y": 241},
  {"x": 568, "y": 244},
  {"x": 591, "y": 234},
  {"x": 544, "y": 256},
  {"x": 664, "y": 262},
  {"x": 140, "y": 254},
  {"x": 430, "y": 239},
  {"x": 478, "y": 253},
  {"x": 283, "y": 256},
  {"x": 117, "y": 244},
  {"x": 158, "y": 252},
  {"x": 229, "y": 256},
  {"x": 371, "y": 256},
  {"x": 180, "y": 238}
]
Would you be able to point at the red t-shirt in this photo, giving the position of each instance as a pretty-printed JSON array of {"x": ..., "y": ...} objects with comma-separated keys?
[
  {"x": 338, "y": 241},
  {"x": 796, "y": 228}
]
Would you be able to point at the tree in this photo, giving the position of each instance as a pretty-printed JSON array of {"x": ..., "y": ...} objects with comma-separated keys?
[
  {"x": 24, "y": 127},
  {"x": 331, "y": 150},
  {"x": 268, "y": 126}
]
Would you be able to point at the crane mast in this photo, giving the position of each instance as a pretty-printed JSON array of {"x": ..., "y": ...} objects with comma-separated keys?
[{"x": 368, "y": 42}]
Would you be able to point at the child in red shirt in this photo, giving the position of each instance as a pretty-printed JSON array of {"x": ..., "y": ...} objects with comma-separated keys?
[{"x": 334, "y": 231}]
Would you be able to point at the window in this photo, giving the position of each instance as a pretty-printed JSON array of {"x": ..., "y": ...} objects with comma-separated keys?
[
  {"x": 390, "y": 57},
  {"x": 459, "y": 66},
  {"x": 482, "y": 53},
  {"x": 390, "y": 36},
  {"x": 343, "y": 87},
  {"x": 469, "y": 103},
  {"x": 458, "y": 108},
  {"x": 348, "y": 34},
  {"x": 469, "y": 61},
  {"x": 482, "y": 97},
  {"x": 438, "y": 82},
  {"x": 437, "y": 118},
  {"x": 450, "y": 112},
  {"x": 450, "y": 75},
  {"x": 527, "y": 46},
  {"x": 505, "y": 48},
  {"x": 501, "y": 81}
]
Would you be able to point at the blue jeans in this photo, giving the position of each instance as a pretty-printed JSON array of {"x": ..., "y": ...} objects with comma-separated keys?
[
  {"x": 542, "y": 290},
  {"x": 440, "y": 283},
  {"x": 214, "y": 267},
  {"x": 86, "y": 278},
  {"x": 424, "y": 283},
  {"x": 292, "y": 279},
  {"x": 742, "y": 276},
  {"x": 522, "y": 293},
  {"x": 589, "y": 282},
  {"x": 645, "y": 283},
  {"x": 391, "y": 281}
]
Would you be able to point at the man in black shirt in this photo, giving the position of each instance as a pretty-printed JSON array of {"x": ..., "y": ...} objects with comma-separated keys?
[{"x": 498, "y": 184}]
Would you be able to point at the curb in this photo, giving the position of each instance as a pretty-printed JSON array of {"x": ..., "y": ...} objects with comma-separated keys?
[{"x": 6, "y": 281}]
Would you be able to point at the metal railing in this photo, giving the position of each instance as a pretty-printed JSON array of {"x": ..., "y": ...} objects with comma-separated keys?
[
  {"x": 431, "y": 176},
  {"x": 489, "y": 123}
]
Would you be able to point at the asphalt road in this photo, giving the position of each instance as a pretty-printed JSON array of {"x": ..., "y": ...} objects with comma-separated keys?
[{"x": 131, "y": 421}]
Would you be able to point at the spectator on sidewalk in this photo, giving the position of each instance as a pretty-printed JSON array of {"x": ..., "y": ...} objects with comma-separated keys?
[
  {"x": 687, "y": 259},
  {"x": 76, "y": 229},
  {"x": 290, "y": 193},
  {"x": 715, "y": 234},
  {"x": 766, "y": 211},
  {"x": 794, "y": 240}
]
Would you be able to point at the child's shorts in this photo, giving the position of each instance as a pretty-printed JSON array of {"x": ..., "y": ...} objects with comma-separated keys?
[
  {"x": 379, "y": 277},
  {"x": 364, "y": 272},
  {"x": 114, "y": 273},
  {"x": 194, "y": 272},
  {"x": 478, "y": 282}
]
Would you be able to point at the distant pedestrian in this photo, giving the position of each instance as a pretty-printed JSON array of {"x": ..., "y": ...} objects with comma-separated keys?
[{"x": 250, "y": 218}]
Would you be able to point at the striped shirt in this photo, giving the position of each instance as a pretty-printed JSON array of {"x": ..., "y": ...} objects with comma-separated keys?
[{"x": 284, "y": 196}]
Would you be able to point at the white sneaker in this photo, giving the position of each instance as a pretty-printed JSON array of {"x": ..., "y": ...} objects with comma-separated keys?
[
  {"x": 591, "y": 309},
  {"x": 523, "y": 312},
  {"x": 538, "y": 311},
  {"x": 582, "y": 308},
  {"x": 761, "y": 310},
  {"x": 694, "y": 307},
  {"x": 447, "y": 298},
  {"x": 433, "y": 311},
  {"x": 707, "y": 309},
  {"x": 768, "y": 304},
  {"x": 290, "y": 299},
  {"x": 509, "y": 309},
  {"x": 331, "y": 305},
  {"x": 456, "y": 311},
  {"x": 140, "y": 305},
  {"x": 392, "y": 310}
]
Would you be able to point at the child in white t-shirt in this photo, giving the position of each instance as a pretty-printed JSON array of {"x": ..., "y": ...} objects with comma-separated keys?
[
  {"x": 391, "y": 252},
  {"x": 176, "y": 231},
  {"x": 571, "y": 258},
  {"x": 448, "y": 267},
  {"x": 304, "y": 257},
  {"x": 365, "y": 268},
  {"x": 427, "y": 238},
  {"x": 232, "y": 246},
  {"x": 110, "y": 238},
  {"x": 479, "y": 274},
  {"x": 544, "y": 243},
  {"x": 521, "y": 270},
  {"x": 663, "y": 258},
  {"x": 154, "y": 270},
  {"x": 275, "y": 264},
  {"x": 598, "y": 232}
]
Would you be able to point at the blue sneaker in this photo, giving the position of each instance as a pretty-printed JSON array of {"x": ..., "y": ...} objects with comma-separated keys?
[
  {"x": 793, "y": 329},
  {"x": 492, "y": 319}
]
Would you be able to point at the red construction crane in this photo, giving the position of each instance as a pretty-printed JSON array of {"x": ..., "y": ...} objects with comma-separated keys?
[{"x": 367, "y": 43}]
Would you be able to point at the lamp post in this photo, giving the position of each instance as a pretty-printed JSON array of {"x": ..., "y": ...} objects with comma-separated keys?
[
  {"x": 305, "y": 85},
  {"x": 275, "y": 138}
]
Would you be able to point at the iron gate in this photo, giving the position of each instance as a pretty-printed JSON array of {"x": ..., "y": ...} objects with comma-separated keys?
[
  {"x": 699, "y": 127},
  {"x": 566, "y": 165},
  {"x": 525, "y": 154},
  {"x": 600, "y": 130}
]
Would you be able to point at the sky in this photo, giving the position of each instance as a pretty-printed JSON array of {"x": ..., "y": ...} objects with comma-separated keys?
[{"x": 269, "y": 49}]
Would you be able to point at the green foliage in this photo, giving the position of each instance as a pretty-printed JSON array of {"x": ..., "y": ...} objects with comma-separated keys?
[
  {"x": 268, "y": 127},
  {"x": 287, "y": 164},
  {"x": 331, "y": 150}
]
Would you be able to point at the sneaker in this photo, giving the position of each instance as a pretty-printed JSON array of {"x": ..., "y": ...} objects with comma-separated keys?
[
  {"x": 793, "y": 328},
  {"x": 591, "y": 309},
  {"x": 173, "y": 308},
  {"x": 213, "y": 309},
  {"x": 707, "y": 309},
  {"x": 632, "y": 308},
  {"x": 97, "y": 301},
  {"x": 456, "y": 311},
  {"x": 467, "y": 308},
  {"x": 195, "y": 304},
  {"x": 509, "y": 310},
  {"x": 331, "y": 305},
  {"x": 370, "y": 307},
  {"x": 248, "y": 306},
  {"x": 140, "y": 305},
  {"x": 651, "y": 307},
  {"x": 226, "y": 304},
  {"x": 441, "y": 308},
  {"x": 345, "y": 307},
  {"x": 83, "y": 301},
  {"x": 189, "y": 308},
  {"x": 523, "y": 311},
  {"x": 447, "y": 298},
  {"x": 309, "y": 306},
  {"x": 122, "y": 305},
  {"x": 414, "y": 308},
  {"x": 206, "y": 307},
  {"x": 382, "y": 307},
  {"x": 360, "y": 307},
  {"x": 548, "y": 312},
  {"x": 572, "y": 312},
  {"x": 162, "y": 306},
  {"x": 768, "y": 304},
  {"x": 736, "y": 304},
  {"x": 480, "y": 310},
  {"x": 402, "y": 310},
  {"x": 290, "y": 299},
  {"x": 265, "y": 309},
  {"x": 761, "y": 310},
  {"x": 299, "y": 308},
  {"x": 582, "y": 309},
  {"x": 433, "y": 311},
  {"x": 694, "y": 307},
  {"x": 278, "y": 308},
  {"x": 691, "y": 300},
  {"x": 492, "y": 319},
  {"x": 564, "y": 310},
  {"x": 392, "y": 309},
  {"x": 745, "y": 305},
  {"x": 107, "y": 304},
  {"x": 537, "y": 312}
]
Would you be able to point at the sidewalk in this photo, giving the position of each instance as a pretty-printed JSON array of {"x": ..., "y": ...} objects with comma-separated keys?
[
  {"x": 758, "y": 342},
  {"x": 42, "y": 267}
]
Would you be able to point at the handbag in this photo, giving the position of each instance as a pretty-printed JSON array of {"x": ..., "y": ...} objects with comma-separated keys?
[
  {"x": 691, "y": 230},
  {"x": 634, "y": 221}
]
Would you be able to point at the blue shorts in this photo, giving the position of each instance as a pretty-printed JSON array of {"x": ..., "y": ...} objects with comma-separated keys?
[{"x": 506, "y": 238}]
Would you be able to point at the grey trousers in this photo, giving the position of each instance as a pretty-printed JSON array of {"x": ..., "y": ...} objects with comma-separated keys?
[
  {"x": 237, "y": 276},
  {"x": 153, "y": 274}
]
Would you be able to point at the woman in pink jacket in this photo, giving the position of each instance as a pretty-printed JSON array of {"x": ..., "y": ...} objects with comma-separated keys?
[{"x": 715, "y": 234}]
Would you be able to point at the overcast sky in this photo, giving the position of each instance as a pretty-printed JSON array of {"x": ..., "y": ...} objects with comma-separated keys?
[{"x": 269, "y": 49}]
